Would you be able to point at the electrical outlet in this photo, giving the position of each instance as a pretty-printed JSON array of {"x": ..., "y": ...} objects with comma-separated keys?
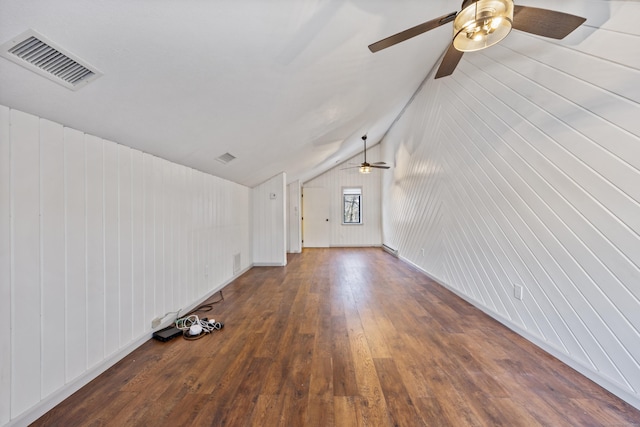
[
  {"x": 422, "y": 251},
  {"x": 517, "y": 292}
]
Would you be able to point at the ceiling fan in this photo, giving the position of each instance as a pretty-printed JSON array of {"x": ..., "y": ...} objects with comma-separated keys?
[
  {"x": 366, "y": 167},
  {"x": 483, "y": 23}
]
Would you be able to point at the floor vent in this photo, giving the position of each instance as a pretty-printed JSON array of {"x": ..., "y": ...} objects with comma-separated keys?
[
  {"x": 226, "y": 158},
  {"x": 34, "y": 52}
]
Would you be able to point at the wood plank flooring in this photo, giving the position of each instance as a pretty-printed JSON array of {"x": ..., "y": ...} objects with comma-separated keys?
[{"x": 344, "y": 337}]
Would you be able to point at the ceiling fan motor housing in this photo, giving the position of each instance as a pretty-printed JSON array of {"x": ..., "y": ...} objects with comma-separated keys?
[{"x": 482, "y": 23}]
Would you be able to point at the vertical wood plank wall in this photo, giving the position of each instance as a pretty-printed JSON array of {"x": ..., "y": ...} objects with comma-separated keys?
[
  {"x": 270, "y": 222},
  {"x": 334, "y": 180},
  {"x": 523, "y": 168},
  {"x": 294, "y": 225},
  {"x": 96, "y": 240},
  {"x": 5, "y": 265}
]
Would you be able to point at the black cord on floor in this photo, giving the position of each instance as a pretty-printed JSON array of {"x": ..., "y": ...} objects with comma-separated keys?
[
  {"x": 181, "y": 323},
  {"x": 208, "y": 306}
]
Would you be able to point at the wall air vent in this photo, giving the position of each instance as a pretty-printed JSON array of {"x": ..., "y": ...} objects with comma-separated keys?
[
  {"x": 34, "y": 52},
  {"x": 225, "y": 158}
]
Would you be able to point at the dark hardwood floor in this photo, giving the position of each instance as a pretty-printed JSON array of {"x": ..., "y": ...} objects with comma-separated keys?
[{"x": 343, "y": 337}]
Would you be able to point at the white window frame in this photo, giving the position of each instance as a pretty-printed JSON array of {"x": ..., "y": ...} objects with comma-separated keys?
[{"x": 346, "y": 191}]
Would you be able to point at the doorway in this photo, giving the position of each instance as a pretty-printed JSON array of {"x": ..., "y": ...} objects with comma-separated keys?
[{"x": 316, "y": 226}]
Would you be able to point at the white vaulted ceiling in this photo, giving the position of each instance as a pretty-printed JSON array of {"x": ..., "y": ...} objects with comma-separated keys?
[{"x": 281, "y": 85}]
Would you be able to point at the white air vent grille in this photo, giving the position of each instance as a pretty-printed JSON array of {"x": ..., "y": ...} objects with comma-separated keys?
[
  {"x": 226, "y": 158},
  {"x": 36, "y": 53}
]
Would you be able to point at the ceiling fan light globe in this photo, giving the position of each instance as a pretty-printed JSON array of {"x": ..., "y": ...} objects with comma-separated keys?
[
  {"x": 481, "y": 24},
  {"x": 365, "y": 169},
  {"x": 496, "y": 22}
]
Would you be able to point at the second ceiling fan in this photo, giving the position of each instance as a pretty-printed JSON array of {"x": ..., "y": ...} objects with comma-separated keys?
[
  {"x": 365, "y": 167},
  {"x": 483, "y": 23}
]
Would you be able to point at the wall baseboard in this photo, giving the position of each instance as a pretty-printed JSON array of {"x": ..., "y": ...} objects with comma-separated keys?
[
  {"x": 375, "y": 245},
  {"x": 60, "y": 395},
  {"x": 390, "y": 250},
  {"x": 613, "y": 387}
]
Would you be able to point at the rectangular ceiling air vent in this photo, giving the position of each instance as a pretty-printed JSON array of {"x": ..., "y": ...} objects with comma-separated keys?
[
  {"x": 34, "y": 52},
  {"x": 225, "y": 158}
]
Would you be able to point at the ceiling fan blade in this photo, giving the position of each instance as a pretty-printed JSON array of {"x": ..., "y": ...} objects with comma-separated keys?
[
  {"x": 379, "y": 163},
  {"x": 449, "y": 62},
  {"x": 545, "y": 22},
  {"x": 379, "y": 166},
  {"x": 411, "y": 32},
  {"x": 351, "y": 167}
]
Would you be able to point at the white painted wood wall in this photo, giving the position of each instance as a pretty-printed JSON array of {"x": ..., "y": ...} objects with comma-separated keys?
[
  {"x": 270, "y": 222},
  {"x": 334, "y": 180},
  {"x": 96, "y": 240},
  {"x": 523, "y": 168},
  {"x": 294, "y": 225}
]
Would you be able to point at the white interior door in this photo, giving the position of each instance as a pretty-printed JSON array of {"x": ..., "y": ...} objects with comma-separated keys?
[{"x": 315, "y": 218}]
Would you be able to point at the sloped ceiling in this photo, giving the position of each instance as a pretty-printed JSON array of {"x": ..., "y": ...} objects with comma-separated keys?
[{"x": 286, "y": 85}]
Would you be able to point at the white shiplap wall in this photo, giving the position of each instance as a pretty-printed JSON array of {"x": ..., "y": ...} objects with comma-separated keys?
[
  {"x": 294, "y": 218},
  {"x": 524, "y": 168},
  {"x": 96, "y": 240},
  {"x": 270, "y": 222},
  {"x": 344, "y": 175}
]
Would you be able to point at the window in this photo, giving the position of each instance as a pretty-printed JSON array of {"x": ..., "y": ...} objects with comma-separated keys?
[{"x": 352, "y": 205}]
